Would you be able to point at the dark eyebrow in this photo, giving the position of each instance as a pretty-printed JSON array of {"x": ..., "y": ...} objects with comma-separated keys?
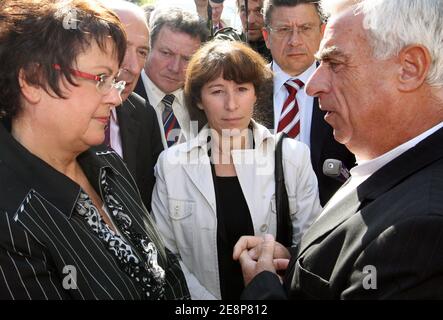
[
  {"x": 215, "y": 85},
  {"x": 143, "y": 47},
  {"x": 330, "y": 53}
]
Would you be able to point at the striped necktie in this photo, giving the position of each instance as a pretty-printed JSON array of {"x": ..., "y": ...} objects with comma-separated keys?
[
  {"x": 170, "y": 123},
  {"x": 290, "y": 116}
]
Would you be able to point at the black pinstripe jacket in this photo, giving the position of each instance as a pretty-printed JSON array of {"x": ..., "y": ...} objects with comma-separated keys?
[{"x": 44, "y": 246}]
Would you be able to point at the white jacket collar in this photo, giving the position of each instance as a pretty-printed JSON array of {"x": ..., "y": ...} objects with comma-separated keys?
[{"x": 261, "y": 134}]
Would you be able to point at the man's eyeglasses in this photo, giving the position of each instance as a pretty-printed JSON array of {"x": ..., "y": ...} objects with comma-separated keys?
[
  {"x": 104, "y": 83},
  {"x": 306, "y": 30}
]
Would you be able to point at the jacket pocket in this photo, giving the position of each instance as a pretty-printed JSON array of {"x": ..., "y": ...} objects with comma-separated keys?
[
  {"x": 310, "y": 283},
  {"x": 293, "y": 206},
  {"x": 181, "y": 214},
  {"x": 180, "y": 209}
]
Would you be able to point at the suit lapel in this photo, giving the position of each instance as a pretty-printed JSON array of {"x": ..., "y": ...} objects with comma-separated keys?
[
  {"x": 331, "y": 219},
  {"x": 129, "y": 127},
  {"x": 386, "y": 178}
]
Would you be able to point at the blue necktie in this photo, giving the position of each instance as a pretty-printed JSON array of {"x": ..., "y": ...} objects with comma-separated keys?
[{"x": 170, "y": 124}]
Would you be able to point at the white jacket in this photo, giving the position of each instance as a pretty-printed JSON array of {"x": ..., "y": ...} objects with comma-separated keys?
[{"x": 183, "y": 200}]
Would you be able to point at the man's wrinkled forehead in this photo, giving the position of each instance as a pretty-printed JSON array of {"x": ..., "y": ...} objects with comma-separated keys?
[{"x": 341, "y": 30}]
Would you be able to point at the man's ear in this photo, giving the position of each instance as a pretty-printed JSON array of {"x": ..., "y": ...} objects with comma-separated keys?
[
  {"x": 322, "y": 29},
  {"x": 265, "y": 33},
  {"x": 200, "y": 106},
  {"x": 415, "y": 61},
  {"x": 30, "y": 92}
]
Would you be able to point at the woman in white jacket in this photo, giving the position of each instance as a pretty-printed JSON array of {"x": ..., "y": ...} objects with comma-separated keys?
[{"x": 220, "y": 185}]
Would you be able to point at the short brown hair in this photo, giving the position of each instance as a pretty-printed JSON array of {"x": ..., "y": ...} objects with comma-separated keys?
[
  {"x": 233, "y": 60},
  {"x": 36, "y": 34}
]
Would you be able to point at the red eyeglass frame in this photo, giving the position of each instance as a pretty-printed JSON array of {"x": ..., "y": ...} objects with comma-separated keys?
[{"x": 80, "y": 74}]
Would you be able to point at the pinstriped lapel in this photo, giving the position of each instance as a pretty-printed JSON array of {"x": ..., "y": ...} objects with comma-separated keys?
[{"x": 69, "y": 242}]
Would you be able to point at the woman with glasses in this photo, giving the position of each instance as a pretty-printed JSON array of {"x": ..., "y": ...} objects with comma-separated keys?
[
  {"x": 72, "y": 223},
  {"x": 220, "y": 185}
]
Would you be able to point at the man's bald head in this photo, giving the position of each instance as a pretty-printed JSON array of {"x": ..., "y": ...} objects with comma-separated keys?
[{"x": 136, "y": 27}]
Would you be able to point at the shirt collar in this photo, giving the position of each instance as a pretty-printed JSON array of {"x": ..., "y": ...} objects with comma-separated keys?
[
  {"x": 368, "y": 167},
  {"x": 280, "y": 76}
]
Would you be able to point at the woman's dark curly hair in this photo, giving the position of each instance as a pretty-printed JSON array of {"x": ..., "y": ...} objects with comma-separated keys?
[{"x": 36, "y": 34}]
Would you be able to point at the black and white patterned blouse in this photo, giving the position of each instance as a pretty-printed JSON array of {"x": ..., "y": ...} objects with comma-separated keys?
[
  {"x": 137, "y": 256},
  {"x": 56, "y": 247}
]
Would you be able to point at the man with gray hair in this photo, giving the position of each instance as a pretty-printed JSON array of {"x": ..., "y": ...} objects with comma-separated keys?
[
  {"x": 380, "y": 236},
  {"x": 175, "y": 34},
  {"x": 133, "y": 131}
]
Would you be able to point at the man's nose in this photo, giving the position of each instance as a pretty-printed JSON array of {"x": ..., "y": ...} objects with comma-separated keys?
[
  {"x": 319, "y": 82},
  {"x": 130, "y": 62},
  {"x": 174, "y": 64},
  {"x": 295, "y": 37}
]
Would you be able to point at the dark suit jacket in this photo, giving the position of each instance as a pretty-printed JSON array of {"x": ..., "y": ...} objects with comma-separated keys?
[
  {"x": 323, "y": 144},
  {"x": 141, "y": 142},
  {"x": 386, "y": 242},
  {"x": 40, "y": 235}
]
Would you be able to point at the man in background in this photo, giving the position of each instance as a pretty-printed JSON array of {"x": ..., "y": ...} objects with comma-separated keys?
[
  {"x": 293, "y": 31},
  {"x": 134, "y": 132},
  {"x": 217, "y": 10},
  {"x": 253, "y": 23},
  {"x": 175, "y": 35}
]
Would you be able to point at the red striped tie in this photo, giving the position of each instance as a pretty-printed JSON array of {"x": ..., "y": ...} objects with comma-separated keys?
[{"x": 290, "y": 117}]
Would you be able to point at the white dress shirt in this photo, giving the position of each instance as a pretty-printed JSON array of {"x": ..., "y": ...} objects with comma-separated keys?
[
  {"x": 155, "y": 96},
  {"x": 305, "y": 102},
  {"x": 365, "y": 169}
]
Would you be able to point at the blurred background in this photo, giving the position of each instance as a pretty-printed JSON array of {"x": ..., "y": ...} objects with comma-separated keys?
[{"x": 229, "y": 15}]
